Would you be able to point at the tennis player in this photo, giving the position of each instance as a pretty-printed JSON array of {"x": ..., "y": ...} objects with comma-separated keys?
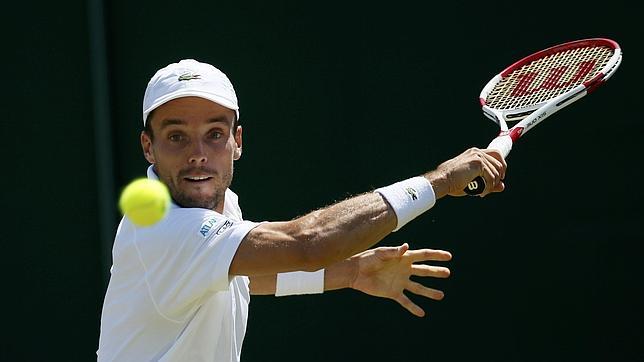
[{"x": 179, "y": 290}]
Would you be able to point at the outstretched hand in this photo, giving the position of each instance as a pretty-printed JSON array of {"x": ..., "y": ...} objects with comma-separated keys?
[{"x": 385, "y": 271}]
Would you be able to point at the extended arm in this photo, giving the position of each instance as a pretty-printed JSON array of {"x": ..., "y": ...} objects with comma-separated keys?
[
  {"x": 315, "y": 240},
  {"x": 337, "y": 276},
  {"x": 382, "y": 272},
  {"x": 329, "y": 235}
]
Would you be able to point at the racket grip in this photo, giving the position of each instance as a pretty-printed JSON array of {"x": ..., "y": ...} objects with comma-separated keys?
[{"x": 503, "y": 144}]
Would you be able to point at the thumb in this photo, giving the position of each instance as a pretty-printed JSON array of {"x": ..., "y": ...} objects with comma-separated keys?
[
  {"x": 499, "y": 187},
  {"x": 390, "y": 252},
  {"x": 403, "y": 248}
]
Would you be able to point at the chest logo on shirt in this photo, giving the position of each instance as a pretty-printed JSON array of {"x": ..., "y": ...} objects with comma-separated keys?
[{"x": 207, "y": 226}]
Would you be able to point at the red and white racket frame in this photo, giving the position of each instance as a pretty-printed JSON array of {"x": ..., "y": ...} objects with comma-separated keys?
[
  {"x": 507, "y": 137},
  {"x": 532, "y": 115}
]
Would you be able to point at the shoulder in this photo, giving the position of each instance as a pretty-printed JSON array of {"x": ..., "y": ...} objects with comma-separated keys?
[
  {"x": 195, "y": 225},
  {"x": 182, "y": 234},
  {"x": 191, "y": 222},
  {"x": 180, "y": 225}
]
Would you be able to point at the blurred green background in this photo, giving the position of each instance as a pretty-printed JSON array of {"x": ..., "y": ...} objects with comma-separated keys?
[{"x": 336, "y": 99}]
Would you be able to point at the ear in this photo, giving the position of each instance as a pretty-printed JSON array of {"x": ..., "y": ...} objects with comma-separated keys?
[
  {"x": 238, "y": 143},
  {"x": 146, "y": 145}
]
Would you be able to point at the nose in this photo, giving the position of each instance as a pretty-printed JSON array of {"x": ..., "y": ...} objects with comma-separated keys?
[{"x": 198, "y": 154}]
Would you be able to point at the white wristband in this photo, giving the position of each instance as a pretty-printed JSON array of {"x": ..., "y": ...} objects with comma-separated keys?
[
  {"x": 300, "y": 282},
  {"x": 409, "y": 198}
]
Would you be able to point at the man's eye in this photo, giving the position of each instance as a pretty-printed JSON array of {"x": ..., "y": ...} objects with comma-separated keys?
[
  {"x": 175, "y": 138},
  {"x": 215, "y": 135}
]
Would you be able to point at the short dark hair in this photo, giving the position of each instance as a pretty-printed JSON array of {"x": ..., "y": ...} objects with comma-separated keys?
[{"x": 148, "y": 129}]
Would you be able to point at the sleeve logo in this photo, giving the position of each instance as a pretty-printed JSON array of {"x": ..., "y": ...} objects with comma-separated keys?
[{"x": 208, "y": 225}]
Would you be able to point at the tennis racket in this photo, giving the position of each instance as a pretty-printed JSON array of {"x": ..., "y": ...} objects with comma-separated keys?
[{"x": 537, "y": 86}]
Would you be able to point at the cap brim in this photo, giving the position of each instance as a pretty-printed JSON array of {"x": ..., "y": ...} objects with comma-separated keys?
[{"x": 191, "y": 93}]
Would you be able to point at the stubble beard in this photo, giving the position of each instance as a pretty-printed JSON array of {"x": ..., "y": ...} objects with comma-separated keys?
[{"x": 214, "y": 202}]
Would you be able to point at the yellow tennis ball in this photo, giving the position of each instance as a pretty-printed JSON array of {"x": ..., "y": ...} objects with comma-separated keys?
[{"x": 145, "y": 202}]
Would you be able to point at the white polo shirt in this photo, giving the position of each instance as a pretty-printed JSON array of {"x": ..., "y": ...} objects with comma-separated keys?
[{"x": 170, "y": 297}]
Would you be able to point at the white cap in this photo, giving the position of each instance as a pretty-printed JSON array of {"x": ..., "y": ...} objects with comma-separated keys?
[{"x": 189, "y": 78}]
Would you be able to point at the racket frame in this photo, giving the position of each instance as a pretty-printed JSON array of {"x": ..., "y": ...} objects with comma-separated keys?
[{"x": 530, "y": 116}]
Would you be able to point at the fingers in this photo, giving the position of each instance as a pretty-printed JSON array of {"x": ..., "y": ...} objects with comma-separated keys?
[
  {"x": 403, "y": 300},
  {"x": 428, "y": 255},
  {"x": 496, "y": 155},
  {"x": 492, "y": 170},
  {"x": 423, "y": 270},
  {"x": 421, "y": 290},
  {"x": 452, "y": 176},
  {"x": 424, "y": 291}
]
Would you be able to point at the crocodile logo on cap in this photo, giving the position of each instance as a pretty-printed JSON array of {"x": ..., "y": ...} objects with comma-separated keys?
[{"x": 189, "y": 76}]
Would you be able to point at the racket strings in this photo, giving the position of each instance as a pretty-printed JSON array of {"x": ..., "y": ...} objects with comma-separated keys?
[{"x": 547, "y": 77}]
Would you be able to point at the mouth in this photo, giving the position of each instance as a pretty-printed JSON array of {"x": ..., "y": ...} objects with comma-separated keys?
[{"x": 197, "y": 179}]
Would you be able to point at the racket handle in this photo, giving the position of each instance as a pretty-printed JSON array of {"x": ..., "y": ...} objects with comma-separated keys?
[{"x": 503, "y": 144}]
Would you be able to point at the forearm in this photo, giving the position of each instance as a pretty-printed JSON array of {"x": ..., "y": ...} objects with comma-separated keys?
[
  {"x": 337, "y": 276},
  {"x": 345, "y": 229},
  {"x": 263, "y": 285},
  {"x": 316, "y": 240}
]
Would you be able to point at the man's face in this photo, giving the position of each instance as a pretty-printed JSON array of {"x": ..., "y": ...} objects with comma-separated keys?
[{"x": 193, "y": 148}]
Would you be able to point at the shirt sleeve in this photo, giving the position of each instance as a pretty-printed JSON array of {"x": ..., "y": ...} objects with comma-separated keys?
[{"x": 188, "y": 257}]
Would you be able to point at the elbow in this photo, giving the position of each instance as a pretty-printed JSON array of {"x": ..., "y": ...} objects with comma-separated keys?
[
  {"x": 314, "y": 251},
  {"x": 310, "y": 255},
  {"x": 313, "y": 260}
]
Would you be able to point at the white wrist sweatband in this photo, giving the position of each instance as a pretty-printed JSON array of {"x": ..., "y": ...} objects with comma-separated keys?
[
  {"x": 409, "y": 198},
  {"x": 299, "y": 282}
]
